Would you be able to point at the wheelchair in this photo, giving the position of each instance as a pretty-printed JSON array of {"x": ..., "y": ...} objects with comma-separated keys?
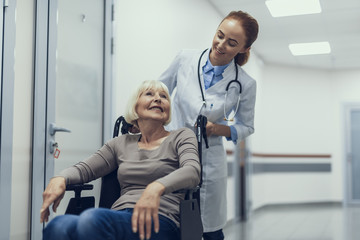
[{"x": 190, "y": 220}]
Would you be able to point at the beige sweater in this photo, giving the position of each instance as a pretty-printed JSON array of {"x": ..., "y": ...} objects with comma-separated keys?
[{"x": 175, "y": 164}]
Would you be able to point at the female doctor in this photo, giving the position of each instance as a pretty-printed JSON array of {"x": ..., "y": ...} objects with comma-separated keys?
[{"x": 212, "y": 83}]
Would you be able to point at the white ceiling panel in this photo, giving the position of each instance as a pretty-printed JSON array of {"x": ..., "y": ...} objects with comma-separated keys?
[{"x": 338, "y": 23}]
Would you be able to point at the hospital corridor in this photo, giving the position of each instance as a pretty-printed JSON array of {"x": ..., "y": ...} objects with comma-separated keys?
[
  {"x": 302, "y": 221},
  {"x": 240, "y": 119}
]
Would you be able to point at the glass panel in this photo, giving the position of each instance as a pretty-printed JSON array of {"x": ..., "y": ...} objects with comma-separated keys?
[
  {"x": 355, "y": 150},
  {"x": 79, "y": 83},
  {"x": 7, "y": 41}
]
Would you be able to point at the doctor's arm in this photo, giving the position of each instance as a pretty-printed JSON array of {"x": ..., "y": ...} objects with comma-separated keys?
[
  {"x": 217, "y": 129},
  {"x": 244, "y": 118}
]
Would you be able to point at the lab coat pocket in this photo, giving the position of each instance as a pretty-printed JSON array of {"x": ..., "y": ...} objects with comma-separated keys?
[{"x": 214, "y": 162}]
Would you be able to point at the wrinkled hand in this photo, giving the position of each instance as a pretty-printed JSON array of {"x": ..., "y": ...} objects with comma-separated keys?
[
  {"x": 53, "y": 194},
  {"x": 146, "y": 210}
]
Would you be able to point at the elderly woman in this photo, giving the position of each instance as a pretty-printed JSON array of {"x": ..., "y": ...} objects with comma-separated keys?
[{"x": 151, "y": 166}]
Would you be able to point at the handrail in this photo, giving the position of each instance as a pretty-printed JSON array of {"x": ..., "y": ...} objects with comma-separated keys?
[{"x": 278, "y": 155}]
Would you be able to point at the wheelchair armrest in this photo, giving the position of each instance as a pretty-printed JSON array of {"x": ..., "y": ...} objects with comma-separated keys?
[
  {"x": 77, "y": 188},
  {"x": 78, "y": 203},
  {"x": 189, "y": 193}
]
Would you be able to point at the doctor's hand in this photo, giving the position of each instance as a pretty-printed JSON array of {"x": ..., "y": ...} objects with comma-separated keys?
[
  {"x": 217, "y": 129},
  {"x": 53, "y": 194},
  {"x": 134, "y": 129},
  {"x": 146, "y": 210},
  {"x": 210, "y": 128}
]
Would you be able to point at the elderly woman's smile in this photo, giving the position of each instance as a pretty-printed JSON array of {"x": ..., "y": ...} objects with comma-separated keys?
[
  {"x": 157, "y": 108},
  {"x": 153, "y": 104}
]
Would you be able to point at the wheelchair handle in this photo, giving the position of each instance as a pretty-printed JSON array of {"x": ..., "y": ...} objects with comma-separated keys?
[{"x": 124, "y": 126}]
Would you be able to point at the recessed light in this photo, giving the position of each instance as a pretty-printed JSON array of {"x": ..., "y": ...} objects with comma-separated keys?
[
  {"x": 282, "y": 8},
  {"x": 298, "y": 49}
]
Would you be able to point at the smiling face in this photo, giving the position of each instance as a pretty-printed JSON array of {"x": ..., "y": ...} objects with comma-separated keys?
[
  {"x": 229, "y": 40},
  {"x": 153, "y": 104}
]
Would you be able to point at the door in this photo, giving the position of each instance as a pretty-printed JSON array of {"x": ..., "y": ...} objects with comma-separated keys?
[
  {"x": 7, "y": 46},
  {"x": 74, "y": 121},
  {"x": 352, "y": 118},
  {"x": 79, "y": 84}
]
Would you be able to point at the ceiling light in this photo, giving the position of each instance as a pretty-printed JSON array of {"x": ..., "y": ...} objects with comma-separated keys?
[
  {"x": 298, "y": 49},
  {"x": 282, "y": 8}
]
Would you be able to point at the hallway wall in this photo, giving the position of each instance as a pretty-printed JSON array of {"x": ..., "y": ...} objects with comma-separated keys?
[
  {"x": 148, "y": 38},
  {"x": 300, "y": 112}
]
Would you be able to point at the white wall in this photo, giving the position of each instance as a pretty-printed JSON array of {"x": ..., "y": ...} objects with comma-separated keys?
[
  {"x": 150, "y": 33},
  {"x": 297, "y": 104},
  {"x": 300, "y": 113},
  {"x": 21, "y": 165}
]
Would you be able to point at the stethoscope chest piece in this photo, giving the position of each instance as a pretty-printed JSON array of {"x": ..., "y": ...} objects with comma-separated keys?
[{"x": 226, "y": 90}]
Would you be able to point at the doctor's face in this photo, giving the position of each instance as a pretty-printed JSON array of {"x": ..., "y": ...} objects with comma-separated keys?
[
  {"x": 229, "y": 40},
  {"x": 153, "y": 104}
]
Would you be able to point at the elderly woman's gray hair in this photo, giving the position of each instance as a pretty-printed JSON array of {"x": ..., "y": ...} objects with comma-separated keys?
[{"x": 131, "y": 115}]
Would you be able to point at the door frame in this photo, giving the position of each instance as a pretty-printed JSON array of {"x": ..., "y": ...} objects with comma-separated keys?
[
  {"x": 347, "y": 182},
  {"x": 7, "y": 74},
  {"x": 44, "y": 98}
]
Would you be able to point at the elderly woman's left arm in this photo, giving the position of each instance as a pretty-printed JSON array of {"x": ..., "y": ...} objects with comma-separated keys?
[
  {"x": 188, "y": 173},
  {"x": 186, "y": 176}
]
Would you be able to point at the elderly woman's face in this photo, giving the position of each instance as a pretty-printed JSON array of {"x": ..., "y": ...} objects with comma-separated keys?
[{"x": 153, "y": 104}]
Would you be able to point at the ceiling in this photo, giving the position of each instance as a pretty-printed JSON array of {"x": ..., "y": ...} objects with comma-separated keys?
[{"x": 338, "y": 23}]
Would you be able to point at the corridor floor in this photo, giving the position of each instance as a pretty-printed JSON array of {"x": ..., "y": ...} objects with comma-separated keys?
[{"x": 327, "y": 221}]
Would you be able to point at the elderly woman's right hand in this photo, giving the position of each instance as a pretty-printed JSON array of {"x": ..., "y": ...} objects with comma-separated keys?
[
  {"x": 53, "y": 194},
  {"x": 146, "y": 210}
]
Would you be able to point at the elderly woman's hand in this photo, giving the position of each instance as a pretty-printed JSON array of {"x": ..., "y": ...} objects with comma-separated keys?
[
  {"x": 146, "y": 210},
  {"x": 53, "y": 194}
]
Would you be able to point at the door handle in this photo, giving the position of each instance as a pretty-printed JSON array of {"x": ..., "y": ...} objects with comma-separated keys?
[
  {"x": 52, "y": 146},
  {"x": 53, "y": 129}
]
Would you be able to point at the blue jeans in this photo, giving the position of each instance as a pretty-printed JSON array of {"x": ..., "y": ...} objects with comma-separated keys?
[{"x": 104, "y": 224}]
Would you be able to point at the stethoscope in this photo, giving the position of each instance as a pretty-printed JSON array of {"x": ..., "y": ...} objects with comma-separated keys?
[{"x": 226, "y": 89}]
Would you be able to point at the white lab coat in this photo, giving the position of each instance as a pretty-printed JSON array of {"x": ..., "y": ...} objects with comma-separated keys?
[{"x": 187, "y": 104}]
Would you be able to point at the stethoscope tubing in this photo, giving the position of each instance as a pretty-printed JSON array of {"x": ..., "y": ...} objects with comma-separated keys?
[{"x": 226, "y": 89}]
